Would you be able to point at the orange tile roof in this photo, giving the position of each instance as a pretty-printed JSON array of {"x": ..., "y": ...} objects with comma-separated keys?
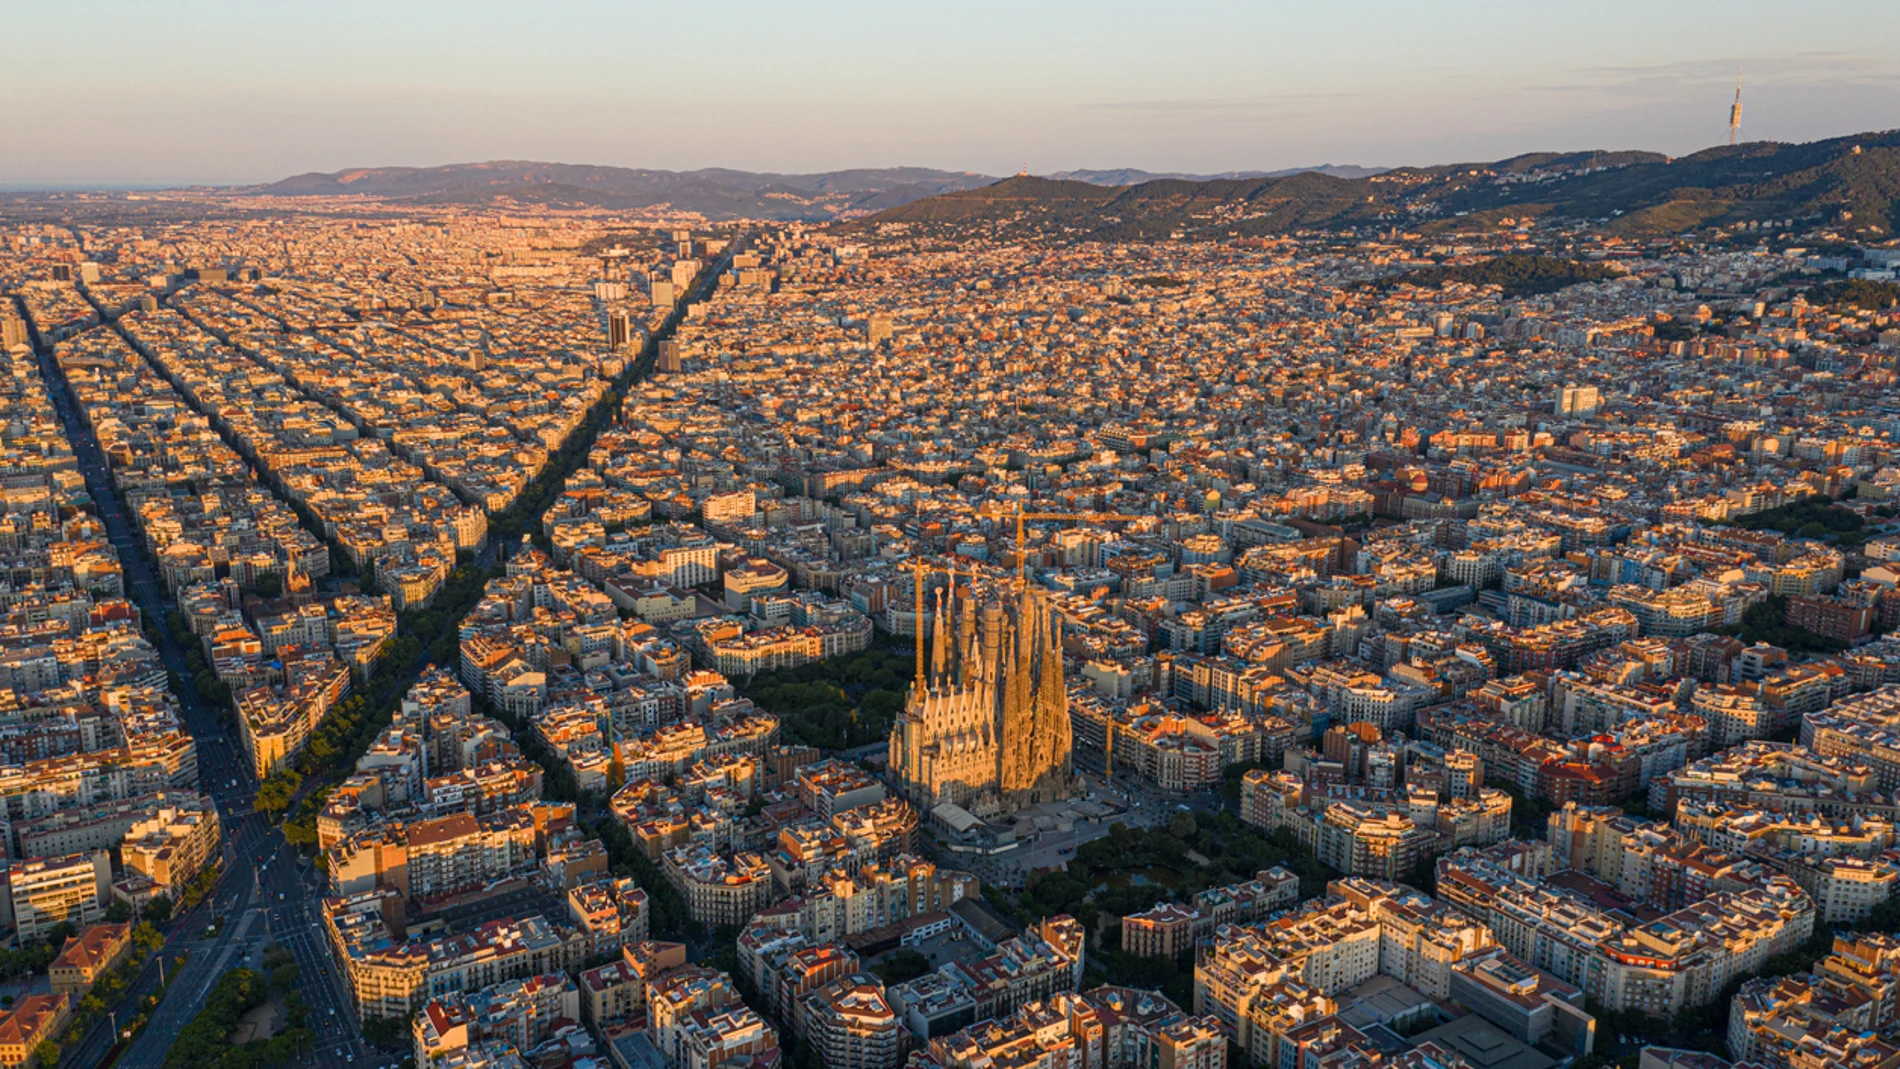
[
  {"x": 23, "y": 1023},
  {"x": 91, "y": 948}
]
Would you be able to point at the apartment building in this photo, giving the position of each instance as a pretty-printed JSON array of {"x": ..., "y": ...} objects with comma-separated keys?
[
  {"x": 45, "y": 892},
  {"x": 522, "y": 1012},
  {"x": 174, "y": 844},
  {"x": 720, "y": 889},
  {"x": 851, "y": 1025}
]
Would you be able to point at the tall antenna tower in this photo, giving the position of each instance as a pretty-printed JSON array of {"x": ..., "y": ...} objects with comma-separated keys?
[{"x": 1735, "y": 109}]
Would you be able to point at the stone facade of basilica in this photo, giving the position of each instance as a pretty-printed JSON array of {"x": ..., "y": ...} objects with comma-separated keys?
[{"x": 989, "y": 728}]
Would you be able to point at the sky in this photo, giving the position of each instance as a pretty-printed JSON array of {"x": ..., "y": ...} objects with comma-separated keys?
[{"x": 206, "y": 91}]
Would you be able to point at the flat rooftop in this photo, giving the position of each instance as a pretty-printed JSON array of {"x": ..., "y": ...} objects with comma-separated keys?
[{"x": 1484, "y": 1045}]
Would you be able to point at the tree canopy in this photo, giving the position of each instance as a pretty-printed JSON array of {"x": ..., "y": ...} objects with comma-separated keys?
[
  {"x": 1519, "y": 275},
  {"x": 1865, "y": 293}
]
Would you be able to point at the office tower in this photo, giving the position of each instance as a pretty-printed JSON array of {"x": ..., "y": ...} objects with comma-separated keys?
[
  {"x": 619, "y": 331},
  {"x": 662, "y": 294},
  {"x": 669, "y": 359}
]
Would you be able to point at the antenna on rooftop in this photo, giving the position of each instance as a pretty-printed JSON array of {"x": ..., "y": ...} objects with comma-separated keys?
[{"x": 1735, "y": 109}]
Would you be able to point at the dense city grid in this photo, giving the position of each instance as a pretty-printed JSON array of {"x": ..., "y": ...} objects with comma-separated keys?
[{"x": 516, "y": 637}]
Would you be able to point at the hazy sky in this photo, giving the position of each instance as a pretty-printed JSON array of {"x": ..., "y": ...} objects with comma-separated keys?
[{"x": 182, "y": 91}]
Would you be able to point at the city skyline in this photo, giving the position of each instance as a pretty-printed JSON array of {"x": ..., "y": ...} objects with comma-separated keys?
[
  {"x": 810, "y": 537},
  {"x": 216, "y": 94}
]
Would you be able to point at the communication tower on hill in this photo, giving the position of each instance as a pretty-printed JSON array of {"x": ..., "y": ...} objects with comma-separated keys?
[{"x": 1735, "y": 109}]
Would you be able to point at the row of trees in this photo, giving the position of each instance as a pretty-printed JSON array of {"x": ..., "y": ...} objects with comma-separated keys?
[
  {"x": 1676, "y": 330},
  {"x": 349, "y": 729},
  {"x": 1767, "y": 621},
  {"x": 1173, "y": 977},
  {"x": 211, "y": 690},
  {"x": 1198, "y": 851},
  {"x": 524, "y": 516},
  {"x": 1529, "y": 813},
  {"x": 282, "y": 967},
  {"x": 389, "y": 1033},
  {"x": 668, "y": 918},
  {"x": 300, "y": 828}
]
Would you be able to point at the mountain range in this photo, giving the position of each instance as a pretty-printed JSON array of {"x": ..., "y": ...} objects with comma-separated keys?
[
  {"x": 1128, "y": 176},
  {"x": 717, "y": 193},
  {"x": 714, "y": 192},
  {"x": 1851, "y": 181}
]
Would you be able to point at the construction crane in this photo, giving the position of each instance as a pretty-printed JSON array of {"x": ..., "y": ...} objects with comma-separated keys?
[{"x": 1022, "y": 555}]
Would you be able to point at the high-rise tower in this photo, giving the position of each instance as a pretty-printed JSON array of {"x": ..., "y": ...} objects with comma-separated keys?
[{"x": 1735, "y": 109}]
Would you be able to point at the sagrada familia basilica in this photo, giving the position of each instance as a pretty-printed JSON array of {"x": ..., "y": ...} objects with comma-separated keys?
[{"x": 986, "y": 726}]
